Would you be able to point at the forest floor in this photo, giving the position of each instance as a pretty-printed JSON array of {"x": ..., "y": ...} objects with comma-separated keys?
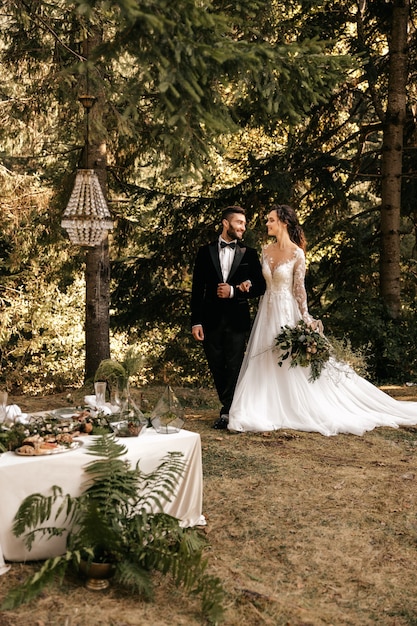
[{"x": 303, "y": 530}]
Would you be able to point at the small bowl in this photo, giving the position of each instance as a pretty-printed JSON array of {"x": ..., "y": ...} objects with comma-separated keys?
[{"x": 127, "y": 428}]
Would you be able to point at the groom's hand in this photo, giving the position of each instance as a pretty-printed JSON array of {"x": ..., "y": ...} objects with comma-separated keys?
[
  {"x": 223, "y": 290},
  {"x": 198, "y": 332}
]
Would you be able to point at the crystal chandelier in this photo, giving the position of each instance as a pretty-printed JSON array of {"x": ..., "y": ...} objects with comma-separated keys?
[{"x": 87, "y": 218}]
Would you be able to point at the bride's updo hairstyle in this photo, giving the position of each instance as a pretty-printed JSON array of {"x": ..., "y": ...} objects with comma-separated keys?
[{"x": 288, "y": 216}]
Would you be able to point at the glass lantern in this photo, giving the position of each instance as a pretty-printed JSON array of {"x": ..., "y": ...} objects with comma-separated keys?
[{"x": 167, "y": 416}]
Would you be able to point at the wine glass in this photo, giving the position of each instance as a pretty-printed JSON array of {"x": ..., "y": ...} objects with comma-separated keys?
[
  {"x": 100, "y": 391},
  {"x": 3, "y": 405}
]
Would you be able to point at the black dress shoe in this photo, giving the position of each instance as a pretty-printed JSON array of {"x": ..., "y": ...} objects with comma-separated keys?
[{"x": 221, "y": 423}]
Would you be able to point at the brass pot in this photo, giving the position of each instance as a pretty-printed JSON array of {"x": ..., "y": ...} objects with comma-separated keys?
[{"x": 97, "y": 574}]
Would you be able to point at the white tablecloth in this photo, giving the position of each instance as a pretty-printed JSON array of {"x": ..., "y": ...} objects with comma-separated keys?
[{"x": 22, "y": 476}]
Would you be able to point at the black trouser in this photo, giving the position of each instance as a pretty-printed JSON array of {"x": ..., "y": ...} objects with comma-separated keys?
[{"x": 224, "y": 348}]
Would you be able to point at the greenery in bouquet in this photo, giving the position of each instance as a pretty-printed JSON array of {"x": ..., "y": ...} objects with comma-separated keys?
[{"x": 304, "y": 347}]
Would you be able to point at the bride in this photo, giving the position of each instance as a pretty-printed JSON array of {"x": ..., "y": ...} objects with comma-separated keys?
[{"x": 269, "y": 397}]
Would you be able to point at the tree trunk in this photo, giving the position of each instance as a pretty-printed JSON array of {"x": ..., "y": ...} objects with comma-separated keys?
[
  {"x": 97, "y": 264},
  {"x": 97, "y": 335},
  {"x": 392, "y": 153}
]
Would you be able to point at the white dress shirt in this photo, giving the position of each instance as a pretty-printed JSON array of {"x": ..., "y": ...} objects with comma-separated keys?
[{"x": 226, "y": 256}]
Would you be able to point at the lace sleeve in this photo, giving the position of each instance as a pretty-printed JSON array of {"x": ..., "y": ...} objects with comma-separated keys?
[{"x": 299, "y": 290}]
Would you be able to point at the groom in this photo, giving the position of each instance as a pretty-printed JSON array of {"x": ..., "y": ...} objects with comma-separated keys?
[{"x": 226, "y": 274}]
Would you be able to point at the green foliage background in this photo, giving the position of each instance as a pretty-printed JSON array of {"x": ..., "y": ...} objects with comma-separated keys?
[{"x": 250, "y": 103}]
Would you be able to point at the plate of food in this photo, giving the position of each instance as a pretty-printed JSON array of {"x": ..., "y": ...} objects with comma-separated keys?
[
  {"x": 48, "y": 445},
  {"x": 68, "y": 412}
]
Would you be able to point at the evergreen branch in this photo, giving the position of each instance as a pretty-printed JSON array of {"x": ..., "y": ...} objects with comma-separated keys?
[{"x": 37, "y": 18}]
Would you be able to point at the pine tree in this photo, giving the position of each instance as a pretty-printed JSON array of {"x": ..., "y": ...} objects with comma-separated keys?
[{"x": 175, "y": 80}]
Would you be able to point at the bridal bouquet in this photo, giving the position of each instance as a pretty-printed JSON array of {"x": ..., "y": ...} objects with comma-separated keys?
[{"x": 304, "y": 346}]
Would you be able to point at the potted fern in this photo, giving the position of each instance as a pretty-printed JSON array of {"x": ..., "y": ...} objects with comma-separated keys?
[{"x": 118, "y": 519}]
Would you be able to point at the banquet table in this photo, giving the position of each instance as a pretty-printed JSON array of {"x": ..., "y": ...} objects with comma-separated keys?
[{"x": 20, "y": 476}]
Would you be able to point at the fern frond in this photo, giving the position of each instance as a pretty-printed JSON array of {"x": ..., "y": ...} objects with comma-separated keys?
[
  {"x": 107, "y": 446},
  {"x": 212, "y": 594},
  {"x": 178, "y": 551},
  {"x": 51, "y": 570},
  {"x": 131, "y": 575},
  {"x": 34, "y": 510},
  {"x": 160, "y": 485},
  {"x": 132, "y": 362},
  {"x": 37, "y": 508}
]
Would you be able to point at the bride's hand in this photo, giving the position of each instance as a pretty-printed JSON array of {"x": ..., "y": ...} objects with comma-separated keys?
[
  {"x": 317, "y": 325},
  {"x": 245, "y": 286}
]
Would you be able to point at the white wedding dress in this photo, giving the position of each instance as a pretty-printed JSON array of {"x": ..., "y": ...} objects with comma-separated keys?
[{"x": 269, "y": 397}]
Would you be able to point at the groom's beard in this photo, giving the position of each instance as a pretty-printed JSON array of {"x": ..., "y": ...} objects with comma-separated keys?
[{"x": 233, "y": 234}]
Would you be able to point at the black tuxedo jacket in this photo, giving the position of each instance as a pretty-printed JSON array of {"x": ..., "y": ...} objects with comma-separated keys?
[{"x": 206, "y": 307}]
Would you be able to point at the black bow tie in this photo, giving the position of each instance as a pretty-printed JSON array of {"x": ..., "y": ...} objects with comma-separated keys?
[{"x": 232, "y": 244}]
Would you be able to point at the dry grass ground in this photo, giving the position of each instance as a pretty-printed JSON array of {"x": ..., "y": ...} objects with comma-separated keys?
[{"x": 303, "y": 530}]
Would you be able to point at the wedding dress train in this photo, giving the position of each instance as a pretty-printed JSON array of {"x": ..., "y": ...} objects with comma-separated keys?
[{"x": 269, "y": 397}]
